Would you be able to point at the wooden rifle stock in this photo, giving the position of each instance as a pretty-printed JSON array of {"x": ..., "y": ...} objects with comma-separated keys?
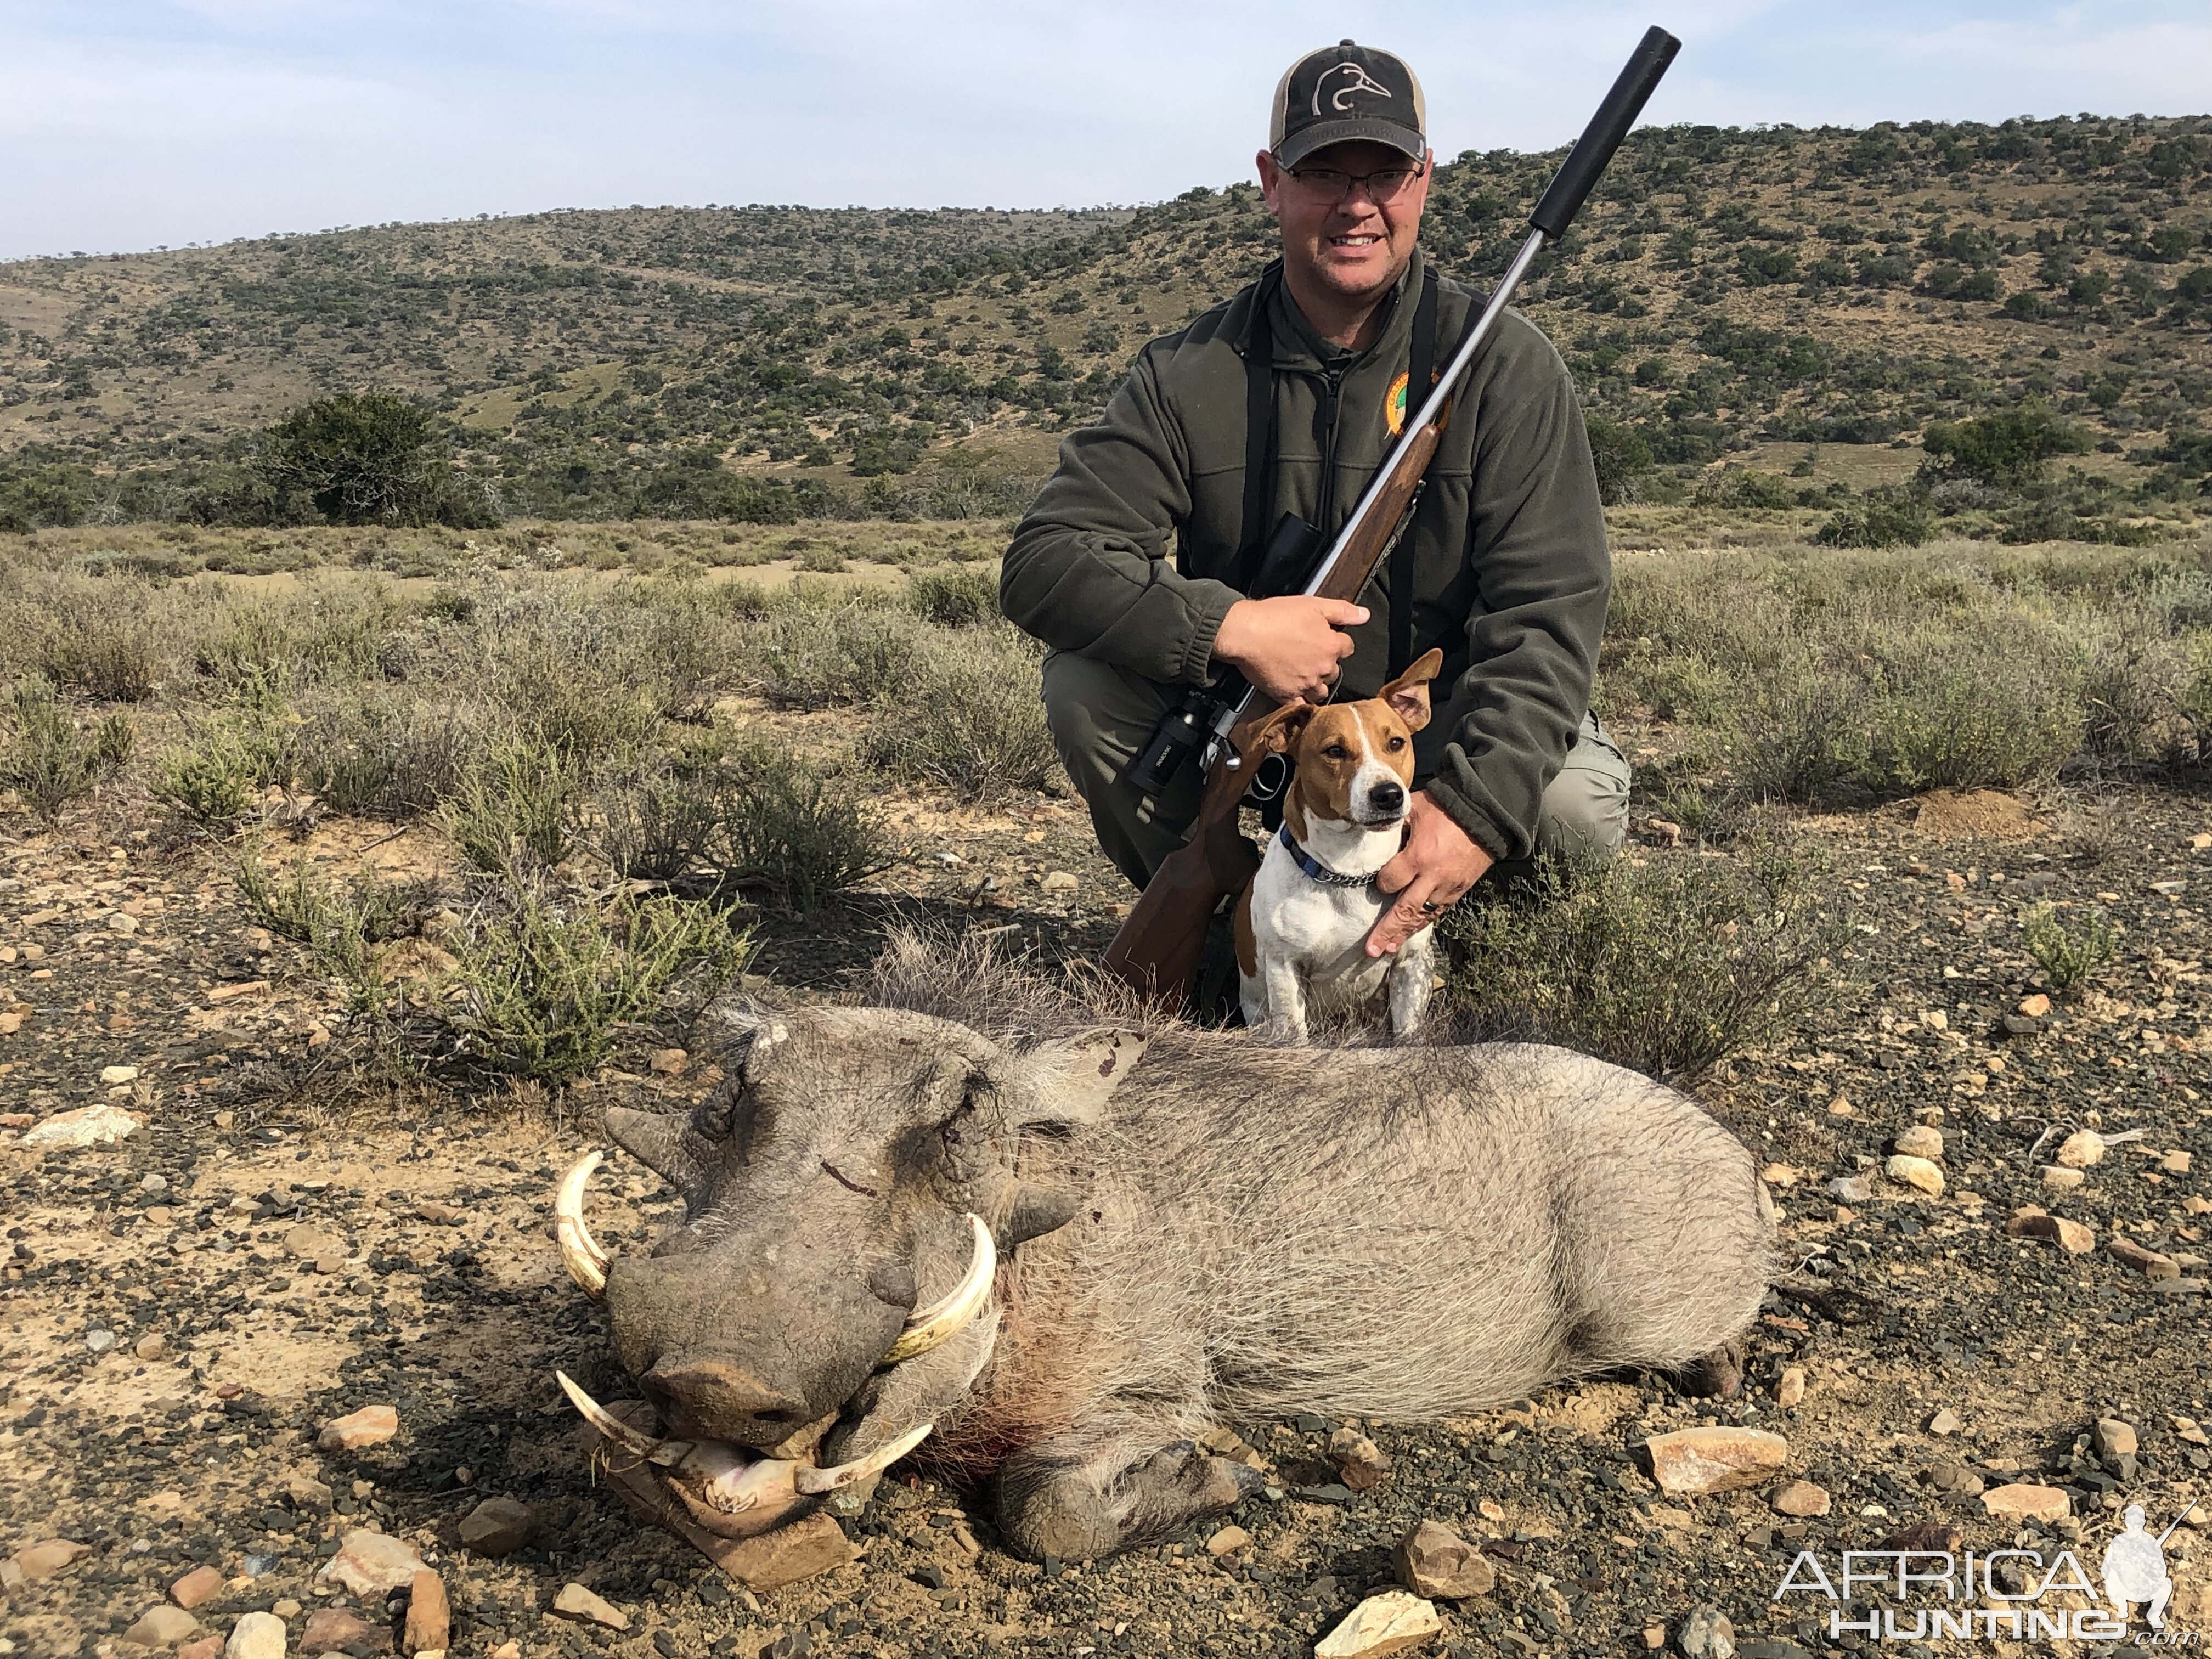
[{"x": 1157, "y": 950}]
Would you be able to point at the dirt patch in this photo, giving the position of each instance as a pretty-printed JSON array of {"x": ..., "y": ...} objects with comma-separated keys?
[{"x": 1975, "y": 815}]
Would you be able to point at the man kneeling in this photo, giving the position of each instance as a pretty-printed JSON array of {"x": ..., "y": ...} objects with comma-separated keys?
[{"x": 1135, "y": 559}]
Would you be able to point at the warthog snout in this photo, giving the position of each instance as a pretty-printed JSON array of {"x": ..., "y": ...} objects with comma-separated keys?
[{"x": 712, "y": 1399}]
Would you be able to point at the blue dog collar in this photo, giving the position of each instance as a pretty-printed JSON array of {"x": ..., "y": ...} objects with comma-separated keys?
[{"x": 1315, "y": 869}]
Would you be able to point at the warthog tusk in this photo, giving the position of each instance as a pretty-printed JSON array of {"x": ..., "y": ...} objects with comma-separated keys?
[
  {"x": 580, "y": 1252},
  {"x": 812, "y": 1483},
  {"x": 630, "y": 1440},
  {"x": 938, "y": 1324}
]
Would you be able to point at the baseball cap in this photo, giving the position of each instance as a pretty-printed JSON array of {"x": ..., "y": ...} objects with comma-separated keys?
[{"x": 1346, "y": 92}]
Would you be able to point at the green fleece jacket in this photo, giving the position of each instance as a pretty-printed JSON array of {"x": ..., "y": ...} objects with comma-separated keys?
[{"x": 1128, "y": 552}]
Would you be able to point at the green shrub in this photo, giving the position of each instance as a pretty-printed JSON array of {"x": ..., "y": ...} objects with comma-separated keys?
[
  {"x": 1893, "y": 515},
  {"x": 2070, "y": 955},
  {"x": 337, "y": 921},
  {"x": 386, "y": 753},
  {"x": 51, "y": 763},
  {"x": 513, "y": 810},
  {"x": 811, "y": 656},
  {"x": 541, "y": 987},
  {"x": 1669, "y": 967},
  {"x": 216, "y": 775},
  {"x": 2010, "y": 446},
  {"x": 967, "y": 717},
  {"x": 954, "y": 597},
  {"x": 786, "y": 826}
]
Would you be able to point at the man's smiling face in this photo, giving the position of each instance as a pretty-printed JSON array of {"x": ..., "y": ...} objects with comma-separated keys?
[{"x": 1345, "y": 242}]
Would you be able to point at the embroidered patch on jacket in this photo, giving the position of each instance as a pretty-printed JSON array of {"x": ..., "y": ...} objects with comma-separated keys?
[{"x": 1394, "y": 406}]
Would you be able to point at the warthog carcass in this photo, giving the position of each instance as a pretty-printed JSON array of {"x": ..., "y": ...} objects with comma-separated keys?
[{"x": 1063, "y": 1257}]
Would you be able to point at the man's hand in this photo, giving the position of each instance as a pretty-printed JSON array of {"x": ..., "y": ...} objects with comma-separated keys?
[
  {"x": 1288, "y": 648},
  {"x": 1438, "y": 862}
]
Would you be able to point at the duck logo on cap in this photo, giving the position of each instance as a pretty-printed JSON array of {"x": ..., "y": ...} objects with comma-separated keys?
[{"x": 1355, "y": 80}]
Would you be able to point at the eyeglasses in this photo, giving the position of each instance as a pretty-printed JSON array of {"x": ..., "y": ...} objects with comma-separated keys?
[{"x": 1328, "y": 184}]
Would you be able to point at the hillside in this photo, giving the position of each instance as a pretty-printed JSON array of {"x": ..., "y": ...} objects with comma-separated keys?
[{"x": 1727, "y": 289}]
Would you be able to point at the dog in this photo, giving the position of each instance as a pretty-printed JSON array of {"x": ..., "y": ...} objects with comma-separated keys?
[{"x": 1301, "y": 924}]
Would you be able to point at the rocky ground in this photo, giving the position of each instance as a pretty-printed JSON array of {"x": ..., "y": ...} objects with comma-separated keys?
[{"x": 186, "y": 1309}]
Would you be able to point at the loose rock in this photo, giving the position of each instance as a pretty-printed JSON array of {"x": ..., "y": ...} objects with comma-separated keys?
[
  {"x": 1790, "y": 1387},
  {"x": 203, "y": 1647},
  {"x": 1800, "y": 1498},
  {"x": 2072, "y": 1237},
  {"x": 307, "y": 1242},
  {"x": 1946, "y": 1421},
  {"x": 576, "y": 1602},
  {"x": 335, "y": 1630},
  {"x": 1227, "y": 1541},
  {"x": 1691, "y": 1462},
  {"x": 37, "y": 1561},
  {"x": 372, "y": 1425},
  {"x": 1921, "y": 1141},
  {"x": 2150, "y": 1263},
  {"x": 1850, "y": 1189},
  {"x": 1360, "y": 1464},
  {"x": 114, "y": 1075},
  {"x": 1392, "y": 1622},
  {"x": 2025, "y": 1503},
  {"x": 2034, "y": 1008},
  {"x": 1707, "y": 1633},
  {"x": 87, "y": 1126},
  {"x": 151, "y": 1347},
  {"x": 372, "y": 1563},
  {"x": 161, "y": 1626},
  {"x": 2114, "y": 1438},
  {"x": 429, "y": 1616},
  {"x": 303, "y": 1492},
  {"x": 669, "y": 1062},
  {"x": 256, "y": 1636},
  {"x": 1914, "y": 1172},
  {"x": 498, "y": 1526},
  {"x": 2060, "y": 1179},
  {"x": 1435, "y": 1562},
  {"x": 196, "y": 1587},
  {"x": 1059, "y": 881},
  {"x": 2081, "y": 1149}
]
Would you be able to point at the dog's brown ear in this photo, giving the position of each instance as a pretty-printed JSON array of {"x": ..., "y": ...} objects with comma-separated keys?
[
  {"x": 1408, "y": 694},
  {"x": 1280, "y": 731}
]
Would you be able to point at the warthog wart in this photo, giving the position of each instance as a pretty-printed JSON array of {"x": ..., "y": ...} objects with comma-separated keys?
[{"x": 1120, "y": 1253}]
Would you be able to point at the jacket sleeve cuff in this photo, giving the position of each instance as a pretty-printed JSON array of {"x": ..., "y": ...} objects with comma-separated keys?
[
  {"x": 1481, "y": 828},
  {"x": 1209, "y": 603}
]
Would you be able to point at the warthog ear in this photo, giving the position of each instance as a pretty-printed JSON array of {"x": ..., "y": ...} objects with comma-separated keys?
[
  {"x": 1070, "y": 1080},
  {"x": 656, "y": 1139}
]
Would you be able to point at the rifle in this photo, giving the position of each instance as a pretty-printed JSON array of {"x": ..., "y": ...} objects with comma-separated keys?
[{"x": 1158, "y": 949}]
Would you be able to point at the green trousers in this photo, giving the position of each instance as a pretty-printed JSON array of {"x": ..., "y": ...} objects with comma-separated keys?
[{"x": 1102, "y": 715}]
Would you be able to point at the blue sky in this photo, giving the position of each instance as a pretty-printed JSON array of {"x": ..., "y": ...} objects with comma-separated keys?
[{"x": 130, "y": 124}]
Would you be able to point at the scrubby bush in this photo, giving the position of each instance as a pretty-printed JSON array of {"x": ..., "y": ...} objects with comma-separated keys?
[
  {"x": 513, "y": 811},
  {"x": 968, "y": 718},
  {"x": 217, "y": 775},
  {"x": 371, "y": 459},
  {"x": 1669, "y": 967},
  {"x": 802, "y": 834},
  {"x": 386, "y": 753},
  {"x": 50, "y": 761},
  {"x": 337, "y": 921},
  {"x": 954, "y": 597},
  {"x": 542, "y": 985},
  {"x": 2069, "y": 955},
  {"x": 1891, "y": 515},
  {"x": 807, "y": 656},
  {"x": 2008, "y": 448}
]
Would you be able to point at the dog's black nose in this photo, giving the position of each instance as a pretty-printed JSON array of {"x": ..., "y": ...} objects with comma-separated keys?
[{"x": 1387, "y": 797}]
